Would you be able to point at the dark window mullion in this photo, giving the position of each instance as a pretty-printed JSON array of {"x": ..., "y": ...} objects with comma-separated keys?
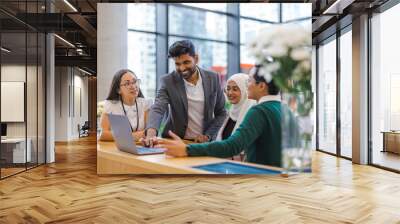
[
  {"x": 161, "y": 41},
  {"x": 338, "y": 98},
  {"x": 199, "y": 38},
  {"x": 26, "y": 87},
  {"x": 144, "y": 31},
  {"x": 317, "y": 96},
  {"x": 37, "y": 97},
  {"x": 0, "y": 93},
  {"x": 258, "y": 20},
  {"x": 369, "y": 81},
  {"x": 297, "y": 20},
  {"x": 233, "y": 37}
]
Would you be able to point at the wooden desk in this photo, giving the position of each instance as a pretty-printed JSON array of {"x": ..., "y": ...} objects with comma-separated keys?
[
  {"x": 110, "y": 160},
  {"x": 13, "y": 150},
  {"x": 391, "y": 141}
]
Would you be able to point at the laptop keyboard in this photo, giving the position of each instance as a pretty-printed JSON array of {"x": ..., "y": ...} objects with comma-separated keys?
[{"x": 144, "y": 150}]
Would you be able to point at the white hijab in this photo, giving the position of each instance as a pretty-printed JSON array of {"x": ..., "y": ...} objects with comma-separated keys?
[
  {"x": 239, "y": 110},
  {"x": 241, "y": 81}
]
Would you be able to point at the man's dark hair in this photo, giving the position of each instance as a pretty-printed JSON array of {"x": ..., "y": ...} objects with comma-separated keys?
[
  {"x": 272, "y": 88},
  {"x": 116, "y": 81},
  {"x": 180, "y": 48}
]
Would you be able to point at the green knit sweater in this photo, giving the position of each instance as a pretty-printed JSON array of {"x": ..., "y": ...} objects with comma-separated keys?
[{"x": 260, "y": 134}]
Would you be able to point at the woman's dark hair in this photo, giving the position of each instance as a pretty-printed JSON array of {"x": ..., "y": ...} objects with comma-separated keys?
[
  {"x": 180, "y": 48},
  {"x": 272, "y": 88},
  {"x": 116, "y": 81}
]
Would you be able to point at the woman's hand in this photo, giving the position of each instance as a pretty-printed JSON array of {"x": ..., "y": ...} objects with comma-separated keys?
[{"x": 175, "y": 146}]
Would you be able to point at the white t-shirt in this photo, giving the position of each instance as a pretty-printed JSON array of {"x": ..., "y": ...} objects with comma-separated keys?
[
  {"x": 195, "y": 97},
  {"x": 115, "y": 107}
]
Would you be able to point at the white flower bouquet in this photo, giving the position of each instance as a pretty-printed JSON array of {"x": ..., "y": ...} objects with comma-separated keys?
[{"x": 284, "y": 53}]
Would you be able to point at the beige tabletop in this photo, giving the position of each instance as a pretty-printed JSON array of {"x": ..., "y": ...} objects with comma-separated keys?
[{"x": 110, "y": 160}]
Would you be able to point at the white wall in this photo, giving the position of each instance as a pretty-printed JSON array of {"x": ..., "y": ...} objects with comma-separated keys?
[
  {"x": 80, "y": 83},
  {"x": 16, "y": 73},
  {"x": 112, "y": 46},
  {"x": 67, "y": 116},
  {"x": 34, "y": 124},
  {"x": 61, "y": 114}
]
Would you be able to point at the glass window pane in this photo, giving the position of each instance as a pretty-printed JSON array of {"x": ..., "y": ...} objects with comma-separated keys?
[
  {"x": 142, "y": 16},
  {"x": 346, "y": 94},
  {"x": 291, "y": 11},
  {"x": 197, "y": 23},
  {"x": 249, "y": 29},
  {"x": 247, "y": 61},
  {"x": 314, "y": 90},
  {"x": 212, "y": 55},
  {"x": 13, "y": 85},
  {"x": 307, "y": 23},
  {"x": 385, "y": 88},
  {"x": 264, "y": 11},
  {"x": 211, "y": 6},
  {"x": 142, "y": 60},
  {"x": 327, "y": 97}
]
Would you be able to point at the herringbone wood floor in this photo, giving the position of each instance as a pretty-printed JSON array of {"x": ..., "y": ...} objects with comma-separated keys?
[{"x": 69, "y": 191}]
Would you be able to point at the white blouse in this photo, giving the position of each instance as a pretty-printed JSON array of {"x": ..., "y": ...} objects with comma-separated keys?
[{"x": 115, "y": 107}]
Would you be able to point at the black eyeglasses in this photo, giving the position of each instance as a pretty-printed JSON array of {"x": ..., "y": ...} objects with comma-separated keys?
[{"x": 134, "y": 82}]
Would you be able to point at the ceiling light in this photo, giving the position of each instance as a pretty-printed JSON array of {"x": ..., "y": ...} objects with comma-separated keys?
[
  {"x": 65, "y": 41},
  {"x": 5, "y": 50},
  {"x": 70, "y": 5}
]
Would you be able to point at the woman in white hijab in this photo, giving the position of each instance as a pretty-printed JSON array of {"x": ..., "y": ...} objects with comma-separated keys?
[{"x": 236, "y": 93}]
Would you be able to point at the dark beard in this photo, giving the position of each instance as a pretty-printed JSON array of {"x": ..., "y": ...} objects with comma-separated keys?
[{"x": 189, "y": 74}]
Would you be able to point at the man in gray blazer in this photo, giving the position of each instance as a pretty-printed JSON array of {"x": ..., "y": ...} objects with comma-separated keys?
[{"x": 195, "y": 98}]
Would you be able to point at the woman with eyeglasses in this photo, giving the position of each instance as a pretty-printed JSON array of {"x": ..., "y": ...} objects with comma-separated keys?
[
  {"x": 236, "y": 93},
  {"x": 125, "y": 98}
]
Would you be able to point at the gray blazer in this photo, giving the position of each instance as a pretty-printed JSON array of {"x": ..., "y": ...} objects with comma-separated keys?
[{"x": 172, "y": 92}]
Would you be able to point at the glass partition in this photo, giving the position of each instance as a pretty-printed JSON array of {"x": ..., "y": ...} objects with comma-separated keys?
[
  {"x": 22, "y": 88},
  {"x": 327, "y": 96},
  {"x": 14, "y": 153},
  {"x": 346, "y": 94}
]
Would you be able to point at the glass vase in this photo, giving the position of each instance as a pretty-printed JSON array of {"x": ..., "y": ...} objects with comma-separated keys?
[{"x": 297, "y": 130}]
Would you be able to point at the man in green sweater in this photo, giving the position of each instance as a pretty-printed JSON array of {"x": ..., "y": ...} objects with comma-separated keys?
[{"x": 259, "y": 134}]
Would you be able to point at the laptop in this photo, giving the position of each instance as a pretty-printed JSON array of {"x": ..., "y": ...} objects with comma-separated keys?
[{"x": 124, "y": 139}]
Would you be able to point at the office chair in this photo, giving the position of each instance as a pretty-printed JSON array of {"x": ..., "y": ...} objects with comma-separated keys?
[{"x": 84, "y": 130}]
